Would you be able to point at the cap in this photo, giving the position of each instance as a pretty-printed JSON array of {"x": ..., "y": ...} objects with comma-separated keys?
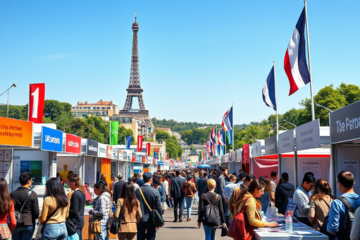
[{"x": 147, "y": 176}]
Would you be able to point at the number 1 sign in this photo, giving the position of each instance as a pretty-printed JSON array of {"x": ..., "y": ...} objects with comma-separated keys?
[{"x": 36, "y": 102}]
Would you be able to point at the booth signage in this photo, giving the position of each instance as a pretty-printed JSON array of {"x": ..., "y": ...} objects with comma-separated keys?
[
  {"x": 345, "y": 123},
  {"x": 271, "y": 145},
  {"x": 160, "y": 163},
  {"x": 256, "y": 149},
  {"x": 101, "y": 150},
  {"x": 73, "y": 144},
  {"x": 15, "y": 132},
  {"x": 286, "y": 141},
  {"x": 51, "y": 139},
  {"x": 92, "y": 148},
  {"x": 308, "y": 135},
  {"x": 109, "y": 150}
]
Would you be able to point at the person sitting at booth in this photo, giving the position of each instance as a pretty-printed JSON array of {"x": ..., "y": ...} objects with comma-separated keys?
[
  {"x": 64, "y": 173},
  {"x": 338, "y": 211},
  {"x": 302, "y": 199}
]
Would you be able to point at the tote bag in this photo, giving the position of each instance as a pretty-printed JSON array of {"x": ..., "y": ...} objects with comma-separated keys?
[{"x": 239, "y": 228}]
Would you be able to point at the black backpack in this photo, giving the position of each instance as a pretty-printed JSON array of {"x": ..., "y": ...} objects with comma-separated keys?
[
  {"x": 323, "y": 228},
  {"x": 210, "y": 214},
  {"x": 345, "y": 226}
]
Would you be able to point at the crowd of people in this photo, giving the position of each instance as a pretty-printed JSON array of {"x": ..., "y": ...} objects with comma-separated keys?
[{"x": 133, "y": 202}]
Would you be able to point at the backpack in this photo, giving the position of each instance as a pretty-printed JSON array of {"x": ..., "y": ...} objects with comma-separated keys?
[
  {"x": 323, "y": 228},
  {"x": 210, "y": 214},
  {"x": 345, "y": 226}
]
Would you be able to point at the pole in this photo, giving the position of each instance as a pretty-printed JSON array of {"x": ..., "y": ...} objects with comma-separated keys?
[
  {"x": 7, "y": 112},
  {"x": 277, "y": 121},
  {"x": 309, "y": 58},
  {"x": 110, "y": 134},
  {"x": 233, "y": 130}
]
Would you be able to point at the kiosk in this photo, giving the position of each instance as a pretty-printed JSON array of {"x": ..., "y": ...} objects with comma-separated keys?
[{"x": 345, "y": 144}]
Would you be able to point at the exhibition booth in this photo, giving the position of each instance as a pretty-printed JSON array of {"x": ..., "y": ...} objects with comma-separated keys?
[{"x": 345, "y": 144}]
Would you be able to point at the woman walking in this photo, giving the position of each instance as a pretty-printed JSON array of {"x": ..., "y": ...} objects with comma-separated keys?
[
  {"x": 189, "y": 189},
  {"x": 102, "y": 207},
  {"x": 54, "y": 210},
  {"x": 77, "y": 203},
  {"x": 320, "y": 203},
  {"x": 6, "y": 209},
  {"x": 211, "y": 198},
  {"x": 128, "y": 207}
]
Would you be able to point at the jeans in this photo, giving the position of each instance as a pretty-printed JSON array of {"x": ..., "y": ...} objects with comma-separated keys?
[
  {"x": 189, "y": 203},
  {"x": 228, "y": 221},
  {"x": 146, "y": 230},
  {"x": 23, "y": 233},
  {"x": 54, "y": 231},
  {"x": 104, "y": 233},
  {"x": 79, "y": 232},
  {"x": 178, "y": 203},
  {"x": 209, "y": 232},
  {"x": 184, "y": 203},
  {"x": 169, "y": 202}
]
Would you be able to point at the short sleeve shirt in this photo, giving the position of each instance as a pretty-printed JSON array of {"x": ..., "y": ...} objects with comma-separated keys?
[{"x": 272, "y": 185}]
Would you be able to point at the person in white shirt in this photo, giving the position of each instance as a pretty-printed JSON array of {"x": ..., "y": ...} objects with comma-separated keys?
[{"x": 301, "y": 198}]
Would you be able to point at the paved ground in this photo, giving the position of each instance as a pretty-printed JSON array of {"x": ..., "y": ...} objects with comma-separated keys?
[{"x": 183, "y": 230}]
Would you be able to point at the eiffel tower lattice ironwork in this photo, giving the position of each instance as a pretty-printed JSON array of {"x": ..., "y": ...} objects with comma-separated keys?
[{"x": 134, "y": 89}]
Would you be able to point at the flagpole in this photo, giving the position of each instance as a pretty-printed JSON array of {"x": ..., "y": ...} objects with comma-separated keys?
[
  {"x": 309, "y": 58},
  {"x": 110, "y": 134},
  {"x": 277, "y": 115},
  {"x": 233, "y": 129}
]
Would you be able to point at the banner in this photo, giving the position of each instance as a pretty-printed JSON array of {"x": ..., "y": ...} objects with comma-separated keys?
[
  {"x": 109, "y": 150},
  {"x": 51, "y": 139},
  {"x": 140, "y": 143},
  {"x": 92, "y": 148},
  {"x": 36, "y": 102},
  {"x": 148, "y": 146},
  {"x": 143, "y": 159},
  {"x": 73, "y": 144},
  {"x": 114, "y": 132},
  {"x": 128, "y": 142},
  {"x": 16, "y": 132},
  {"x": 246, "y": 153}
]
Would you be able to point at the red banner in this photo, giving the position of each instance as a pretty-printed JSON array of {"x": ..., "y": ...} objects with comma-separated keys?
[
  {"x": 140, "y": 143},
  {"x": 133, "y": 158},
  {"x": 154, "y": 161},
  {"x": 143, "y": 159},
  {"x": 36, "y": 102},
  {"x": 148, "y": 146},
  {"x": 246, "y": 153},
  {"x": 166, "y": 156},
  {"x": 73, "y": 144}
]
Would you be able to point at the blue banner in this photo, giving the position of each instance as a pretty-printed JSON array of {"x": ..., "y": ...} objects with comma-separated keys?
[{"x": 51, "y": 139}]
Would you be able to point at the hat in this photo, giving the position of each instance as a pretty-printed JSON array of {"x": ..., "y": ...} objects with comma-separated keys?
[{"x": 147, "y": 176}]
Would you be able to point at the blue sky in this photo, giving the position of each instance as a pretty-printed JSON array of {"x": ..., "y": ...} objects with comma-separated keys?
[{"x": 196, "y": 57}]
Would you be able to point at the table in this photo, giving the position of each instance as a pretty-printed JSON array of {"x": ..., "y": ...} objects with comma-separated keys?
[{"x": 263, "y": 234}]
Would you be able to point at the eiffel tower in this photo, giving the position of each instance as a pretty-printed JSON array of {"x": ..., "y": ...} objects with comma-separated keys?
[{"x": 134, "y": 90}]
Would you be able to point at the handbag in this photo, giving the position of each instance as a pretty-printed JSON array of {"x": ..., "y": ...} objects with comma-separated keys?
[
  {"x": 240, "y": 228},
  {"x": 116, "y": 223},
  {"x": 18, "y": 217},
  {"x": 40, "y": 231},
  {"x": 158, "y": 221},
  {"x": 224, "y": 231},
  {"x": 95, "y": 227}
]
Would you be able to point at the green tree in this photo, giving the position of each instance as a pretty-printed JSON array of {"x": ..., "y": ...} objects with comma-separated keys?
[{"x": 162, "y": 135}]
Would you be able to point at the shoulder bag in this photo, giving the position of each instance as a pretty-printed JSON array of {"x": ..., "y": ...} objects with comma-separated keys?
[
  {"x": 18, "y": 217},
  {"x": 116, "y": 223},
  {"x": 240, "y": 228},
  {"x": 70, "y": 225},
  {"x": 40, "y": 230},
  {"x": 158, "y": 221}
]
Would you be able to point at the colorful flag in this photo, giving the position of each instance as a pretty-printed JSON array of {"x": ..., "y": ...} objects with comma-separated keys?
[
  {"x": 221, "y": 136},
  {"x": 268, "y": 91},
  {"x": 295, "y": 64},
  {"x": 213, "y": 135},
  {"x": 128, "y": 142},
  {"x": 148, "y": 147},
  {"x": 227, "y": 121},
  {"x": 140, "y": 143},
  {"x": 114, "y": 133},
  {"x": 230, "y": 137}
]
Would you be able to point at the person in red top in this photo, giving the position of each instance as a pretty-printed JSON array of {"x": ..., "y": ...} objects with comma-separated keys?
[{"x": 6, "y": 208}]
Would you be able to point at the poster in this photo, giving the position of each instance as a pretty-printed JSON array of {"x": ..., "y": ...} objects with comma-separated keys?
[
  {"x": 1, "y": 154},
  {"x": 314, "y": 166},
  {"x": 6, "y": 167},
  {"x": 351, "y": 165},
  {"x": 7, "y": 155}
]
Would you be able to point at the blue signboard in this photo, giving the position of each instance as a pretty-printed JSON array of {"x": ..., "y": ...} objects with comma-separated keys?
[
  {"x": 160, "y": 163},
  {"x": 51, "y": 139}
]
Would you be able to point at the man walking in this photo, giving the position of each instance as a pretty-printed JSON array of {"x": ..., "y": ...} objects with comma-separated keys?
[
  {"x": 118, "y": 187},
  {"x": 220, "y": 185},
  {"x": 28, "y": 201},
  {"x": 146, "y": 228},
  {"x": 178, "y": 195}
]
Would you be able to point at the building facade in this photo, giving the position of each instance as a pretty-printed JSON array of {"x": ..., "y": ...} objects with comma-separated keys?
[{"x": 103, "y": 109}]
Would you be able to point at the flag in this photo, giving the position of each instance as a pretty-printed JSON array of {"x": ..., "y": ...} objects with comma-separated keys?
[
  {"x": 295, "y": 64},
  {"x": 213, "y": 135},
  {"x": 36, "y": 102},
  {"x": 230, "y": 137},
  {"x": 148, "y": 146},
  {"x": 128, "y": 142},
  {"x": 268, "y": 91},
  {"x": 221, "y": 136},
  {"x": 140, "y": 143},
  {"x": 227, "y": 121},
  {"x": 114, "y": 133}
]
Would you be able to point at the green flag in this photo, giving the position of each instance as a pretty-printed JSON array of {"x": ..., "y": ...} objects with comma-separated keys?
[{"x": 114, "y": 132}]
